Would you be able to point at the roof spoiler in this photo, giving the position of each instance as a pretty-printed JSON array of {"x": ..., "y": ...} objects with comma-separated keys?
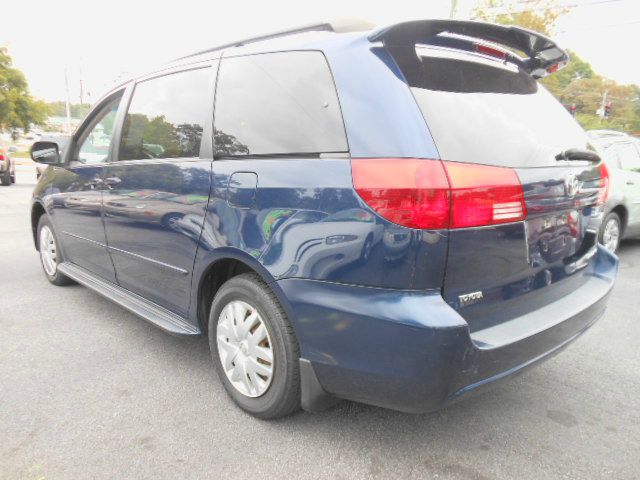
[{"x": 544, "y": 56}]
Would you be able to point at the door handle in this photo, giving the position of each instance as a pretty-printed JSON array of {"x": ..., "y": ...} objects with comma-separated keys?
[{"x": 629, "y": 182}]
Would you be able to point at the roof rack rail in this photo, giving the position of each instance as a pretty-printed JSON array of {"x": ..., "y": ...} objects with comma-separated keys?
[{"x": 337, "y": 26}]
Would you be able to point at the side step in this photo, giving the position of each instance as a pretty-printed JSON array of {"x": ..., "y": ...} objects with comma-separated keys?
[{"x": 159, "y": 316}]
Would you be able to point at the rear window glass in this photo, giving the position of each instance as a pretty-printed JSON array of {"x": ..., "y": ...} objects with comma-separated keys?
[
  {"x": 479, "y": 110},
  {"x": 277, "y": 103}
]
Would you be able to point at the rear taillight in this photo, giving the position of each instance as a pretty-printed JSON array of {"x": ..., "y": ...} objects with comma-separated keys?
[
  {"x": 603, "y": 185},
  {"x": 407, "y": 191},
  {"x": 484, "y": 195},
  {"x": 430, "y": 194}
]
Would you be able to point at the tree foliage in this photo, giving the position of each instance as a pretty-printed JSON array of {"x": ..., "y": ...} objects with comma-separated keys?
[
  {"x": 538, "y": 15},
  {"x": 59, "y": 109},
  {"x": 18, "y": 109},
  {"x": 577, "y": 84}
]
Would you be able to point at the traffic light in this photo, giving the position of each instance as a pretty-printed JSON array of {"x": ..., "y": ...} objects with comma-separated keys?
[{"x": 607, "y": 110}]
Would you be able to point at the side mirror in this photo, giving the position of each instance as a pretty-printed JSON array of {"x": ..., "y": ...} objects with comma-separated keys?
[{"x": 46, "y": 153}]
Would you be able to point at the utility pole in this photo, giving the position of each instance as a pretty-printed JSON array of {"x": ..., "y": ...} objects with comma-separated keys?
[
  {"x": 68, "y": 105},
  {"x": 81, "y": 84},
  {"x": 601, "y": 110},
  {"x": 454, "y": 7}
]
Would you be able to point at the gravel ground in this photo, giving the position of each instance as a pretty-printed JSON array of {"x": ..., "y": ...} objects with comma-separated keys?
[{"x": 88, "y": 390}]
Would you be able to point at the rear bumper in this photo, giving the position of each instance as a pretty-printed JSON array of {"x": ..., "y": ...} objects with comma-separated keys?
[{"x": 410, "y": 351}]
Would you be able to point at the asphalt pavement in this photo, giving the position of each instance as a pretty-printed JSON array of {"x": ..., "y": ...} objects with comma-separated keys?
[{"x": 90, "y": 391}]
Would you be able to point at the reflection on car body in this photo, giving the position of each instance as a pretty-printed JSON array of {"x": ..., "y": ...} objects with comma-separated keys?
[{"x": 323, "y": 242}]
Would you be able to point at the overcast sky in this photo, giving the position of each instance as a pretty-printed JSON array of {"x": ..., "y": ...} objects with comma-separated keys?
[{"x": 111, "y": 39}]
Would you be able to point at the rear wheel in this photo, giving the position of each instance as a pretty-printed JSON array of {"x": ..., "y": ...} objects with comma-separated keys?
[
  {"x": 610, "y": 232},
  {"x": 254, "y": 348},
  {"x": 50, "y": 255}
]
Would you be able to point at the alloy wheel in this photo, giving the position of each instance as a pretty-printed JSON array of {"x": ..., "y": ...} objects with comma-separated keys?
[
  {"x": 48, "y": 251},
  {"x": 611, "y": 235}
]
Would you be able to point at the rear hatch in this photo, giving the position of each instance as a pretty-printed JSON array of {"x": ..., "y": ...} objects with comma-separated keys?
[{"x": 504, "y": 140}]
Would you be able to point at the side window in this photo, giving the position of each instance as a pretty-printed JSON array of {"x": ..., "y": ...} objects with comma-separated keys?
[
  {"x": 166, "y": 116},
  {"x": 629, "y": 156},
  {"x": 94, "y": 145},
  {"x": 610, "y": 156},
  {"x": 277, "y": 103}
]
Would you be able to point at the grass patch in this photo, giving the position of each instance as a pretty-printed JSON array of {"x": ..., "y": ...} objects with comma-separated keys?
[{"x": 23, "y": 154}]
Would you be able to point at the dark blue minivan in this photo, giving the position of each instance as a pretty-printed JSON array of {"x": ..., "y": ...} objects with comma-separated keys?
[{"x": 396, "y": 216}]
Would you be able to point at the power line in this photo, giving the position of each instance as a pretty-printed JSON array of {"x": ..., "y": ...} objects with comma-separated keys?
[
  {"x": 501, "y": 10},
  {"x": 609, "y": 25}
]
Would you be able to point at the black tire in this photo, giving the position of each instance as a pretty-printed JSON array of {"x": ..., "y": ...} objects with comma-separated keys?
[
  {"x": 283, "y": 394},
  {"x": 6, "y": 178},
  {"x": 58, "y": 279}
]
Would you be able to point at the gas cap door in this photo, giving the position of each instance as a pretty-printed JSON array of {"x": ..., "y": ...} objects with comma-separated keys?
[{"x": 241, "y": 189}]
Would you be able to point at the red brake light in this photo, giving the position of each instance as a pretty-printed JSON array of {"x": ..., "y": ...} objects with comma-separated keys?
[
  {"x": 408, "y": 191},
  {"x": 430, "y": 194},
  {"x": 553, "y": 68},
  {"x": 603, "y": 193},
  {"x": 491, "y": 51},
  {"x": 484, "y": 195}
]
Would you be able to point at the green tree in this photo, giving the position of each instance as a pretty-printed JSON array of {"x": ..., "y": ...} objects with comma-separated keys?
[
  {"x": 538, "y": 15},
  {"x": 59, "y": 109},
  {"x": 578, "y": 84},
  {"x": 577, "y": 69},
  {"x": 18, "y": 109}
]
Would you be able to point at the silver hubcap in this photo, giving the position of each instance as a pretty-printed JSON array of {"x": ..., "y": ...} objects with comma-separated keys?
[
  {"x": 48, "y": 251},
  {"x": 611, "y": 235},
  {"x": 245, "y": 348}
]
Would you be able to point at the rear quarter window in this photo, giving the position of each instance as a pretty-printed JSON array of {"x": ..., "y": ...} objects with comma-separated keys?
[{"x": 277, "y": 103}]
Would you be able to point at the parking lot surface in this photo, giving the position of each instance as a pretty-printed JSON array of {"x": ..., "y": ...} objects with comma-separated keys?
[{"x": 88, "y": 390}]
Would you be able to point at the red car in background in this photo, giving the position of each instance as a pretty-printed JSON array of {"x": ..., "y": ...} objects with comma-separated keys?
[{"x": 7, "y": 167}]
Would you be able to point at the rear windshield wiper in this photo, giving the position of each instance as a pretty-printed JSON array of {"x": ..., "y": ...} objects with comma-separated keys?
[{"x": 577, "y": 154}]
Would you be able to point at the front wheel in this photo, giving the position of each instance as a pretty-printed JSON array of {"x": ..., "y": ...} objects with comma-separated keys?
[
  {"x": 50, "y": 255},
  {"x": 254, "y": 348},
  {"x": 6, "y": 178},
  {"x": 610, "y": 232}
]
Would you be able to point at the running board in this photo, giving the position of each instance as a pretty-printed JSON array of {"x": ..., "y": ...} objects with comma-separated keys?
[{"x": 159, "y": 316}]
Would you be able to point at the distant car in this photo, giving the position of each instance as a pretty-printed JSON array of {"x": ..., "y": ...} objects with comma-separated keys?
[
  {"x": 606, "y": 134},
  {"x": 7, "y": 166},
  {"x": 622, "y": 215}
]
